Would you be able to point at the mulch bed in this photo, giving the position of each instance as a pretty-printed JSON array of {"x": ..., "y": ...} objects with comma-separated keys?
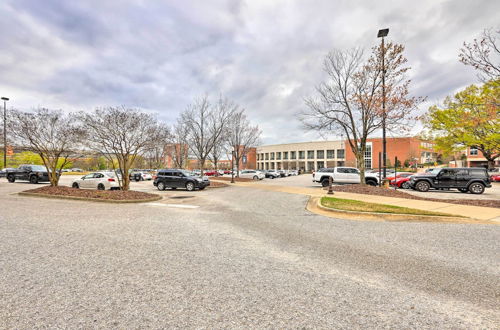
[
  {"x": 378, "y": 191},
  {"x": 225, "y": 178},
  {"x": 117, "y": 195},
  {"x": 214, "y": 184}
]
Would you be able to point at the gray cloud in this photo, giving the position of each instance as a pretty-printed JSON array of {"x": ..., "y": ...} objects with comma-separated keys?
[{"x": 266, "y": 55}]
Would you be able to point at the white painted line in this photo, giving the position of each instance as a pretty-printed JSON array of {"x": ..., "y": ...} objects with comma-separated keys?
[{"x": 180, "y": 206}]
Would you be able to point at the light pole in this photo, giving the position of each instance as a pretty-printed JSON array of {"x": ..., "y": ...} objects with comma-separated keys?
[
  {"x": 381, "y": 34},
  {"x": 5, "y": 99},
  {"x": 233, "y": 154}
]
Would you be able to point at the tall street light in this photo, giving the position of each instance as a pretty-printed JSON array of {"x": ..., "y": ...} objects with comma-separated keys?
[
  {"x": 5, "y": 99},
  {"x": 381, "y": 34}
]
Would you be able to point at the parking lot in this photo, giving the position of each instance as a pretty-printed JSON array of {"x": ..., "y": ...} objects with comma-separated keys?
[
  {"x": 305, "y": 181},
  {"x": 236, "y": 257}
]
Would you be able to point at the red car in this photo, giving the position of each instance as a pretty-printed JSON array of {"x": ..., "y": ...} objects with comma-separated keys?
[
  {"x": 495, "y": 178},
  {"x": 210, "y": 173},
  {"x": 401, "y": 182},
  {"x": 400, "y": 175}
]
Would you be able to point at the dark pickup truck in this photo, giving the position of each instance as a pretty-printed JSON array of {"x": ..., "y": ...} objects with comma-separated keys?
[
  {"x": 467, "y": 179},
  {"x": 31, "y": 173}
]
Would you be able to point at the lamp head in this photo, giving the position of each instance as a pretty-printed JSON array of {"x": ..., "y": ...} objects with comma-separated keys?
[
  {"x": 5, "y": 98},
  {"x": 382, "y": 33}
]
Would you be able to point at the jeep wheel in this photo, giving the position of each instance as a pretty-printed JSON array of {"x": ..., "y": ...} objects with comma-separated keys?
[
  {"x": 325, "y": 183},
  {"x": 405, "y": 185},
  {"x": 11, "y": 178},
  {"x": 423, "y": 186},
  {"x": 100, "y": 186},
  {"x": 34, "y": 179},
  {"x": 190, "y": 186},
  {"x": 160, "y": 186},
  {"x": 476, "y": 188},
  {"x": 75, "y": 185},
  {"x": 463, "y": 190}
]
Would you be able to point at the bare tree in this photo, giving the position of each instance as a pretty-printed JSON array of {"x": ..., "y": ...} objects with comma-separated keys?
[
  {"x": 121, "y": 134},
  {"x": 241, "y": 136},
  {"x": 204, "y": 126},
  {"x": 349, "y": 102},
  {"x": 177, "y": 148},
  {"x": 483, "y": 55},
  {"x": 52, "y": 134}
]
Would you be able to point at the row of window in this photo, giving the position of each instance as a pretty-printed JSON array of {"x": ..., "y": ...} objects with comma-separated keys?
[{"x": 320, "y": 154}]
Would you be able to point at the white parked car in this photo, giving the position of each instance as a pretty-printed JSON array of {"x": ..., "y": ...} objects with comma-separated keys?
[
  {"x": 97, "y": 180},
  {"x": 294, "y": 172},
  {"x": 252, "y": 174},
  {"x": 338, "y": 174}
]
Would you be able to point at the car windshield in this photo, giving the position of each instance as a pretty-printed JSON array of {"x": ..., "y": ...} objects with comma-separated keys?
[
  {"x": 434, "y": 171},
  {"x": 38, "y": 168}
]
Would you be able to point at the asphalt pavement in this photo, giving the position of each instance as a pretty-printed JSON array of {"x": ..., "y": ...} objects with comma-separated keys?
[{"x": 237, "y": 257}]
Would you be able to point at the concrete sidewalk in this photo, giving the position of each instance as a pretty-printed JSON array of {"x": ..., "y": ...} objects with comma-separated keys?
[{"x": 474, "y": 212}]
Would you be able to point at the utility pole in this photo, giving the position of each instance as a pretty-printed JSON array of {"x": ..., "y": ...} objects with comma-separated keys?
[{"x": 5, "y": 99}]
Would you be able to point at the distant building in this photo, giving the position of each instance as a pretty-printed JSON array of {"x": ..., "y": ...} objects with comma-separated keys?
[{"x": 311, "y": 156}]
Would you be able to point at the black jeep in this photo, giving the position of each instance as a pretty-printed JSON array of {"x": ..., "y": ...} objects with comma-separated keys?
[
  {"x": 464, "y": 179},
  {"x": 172, "y": 178}
]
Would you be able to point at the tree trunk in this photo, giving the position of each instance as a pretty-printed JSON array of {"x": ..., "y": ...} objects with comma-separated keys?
[
  {"x": 202, "y": 165},
  {"x": 360, "y": 159}
]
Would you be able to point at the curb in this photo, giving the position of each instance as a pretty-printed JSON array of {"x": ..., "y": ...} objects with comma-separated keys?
[
  {"x": 152, "y": 199},
  {"x": 315, "y": 202}
]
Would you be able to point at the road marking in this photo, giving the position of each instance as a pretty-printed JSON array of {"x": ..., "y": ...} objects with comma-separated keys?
[{"x": 180, "y": 206}]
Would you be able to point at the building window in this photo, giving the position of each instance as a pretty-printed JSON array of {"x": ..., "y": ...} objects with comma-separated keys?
[
  {"x": 285, "y": 155},
  {"x": 310, "y": 154},
  {"x": 267, "y": 156},
  {"x": 473, "y": 152},
  {"x": 302, "y": 154},
  {"x": 340, "y": 153},
  {"x": 320, "y": 154},
  {"x": 368, "y": 157},
  {"x": 278, "y": 155},
  {"x": 330, "y": 154},
  {"x": 293, "y": 155},
  {"x": 321, "y": 165}
]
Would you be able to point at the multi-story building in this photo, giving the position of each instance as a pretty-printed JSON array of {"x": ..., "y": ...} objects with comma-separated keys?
[
  {"x": 411, "y": 150},
  {"x": 311, "y": 156},
  {"x": 476, "y": 159},
  {"x": 304, "y": 156}
]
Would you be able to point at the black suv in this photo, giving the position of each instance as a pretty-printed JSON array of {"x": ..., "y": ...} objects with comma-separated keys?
[
  {"x": 31, "y": 173},
  {"x": 465, "y": 179},
  {"x": 174, "y": 179}
]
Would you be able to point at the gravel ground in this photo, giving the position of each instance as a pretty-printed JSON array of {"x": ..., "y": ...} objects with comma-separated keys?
[{"x": 243, "y": 258}]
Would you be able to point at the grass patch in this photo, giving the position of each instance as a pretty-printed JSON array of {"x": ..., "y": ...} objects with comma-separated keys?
[{"x": 358, "y": 206}]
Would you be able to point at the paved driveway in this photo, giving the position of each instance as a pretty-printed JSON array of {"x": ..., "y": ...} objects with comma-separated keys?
[{"x": 240, "y": 257}]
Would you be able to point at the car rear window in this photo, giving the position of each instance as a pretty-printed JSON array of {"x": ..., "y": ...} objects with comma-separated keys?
[{"x": 478, "y": 172}]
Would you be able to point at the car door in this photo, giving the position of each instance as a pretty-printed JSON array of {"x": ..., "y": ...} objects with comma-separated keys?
[
  {"x": 341, "y": 175},
  {"x": 23, "y": 173},
  {"x": 98, "y": 178},
  {"x": 87, "y": 181},
  {"x": 446, "y": 178},
  {"x": 176, "y": 179},
  {"x": 462, "y": 177}
]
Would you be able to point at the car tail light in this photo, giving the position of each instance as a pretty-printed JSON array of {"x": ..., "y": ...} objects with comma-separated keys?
[{"x": 111, "y": 180}]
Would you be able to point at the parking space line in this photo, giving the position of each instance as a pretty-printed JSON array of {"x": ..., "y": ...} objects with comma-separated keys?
[{"x": 180, "y": 206}]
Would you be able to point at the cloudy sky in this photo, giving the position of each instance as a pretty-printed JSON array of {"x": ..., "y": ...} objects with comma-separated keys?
[{"x": 266, "y": 55}]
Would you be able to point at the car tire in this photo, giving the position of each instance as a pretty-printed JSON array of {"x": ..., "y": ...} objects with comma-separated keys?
[
  {"x": 161, "y": 186},
  {"x": 422, "y": 186},
  {"x": 173, "y": 188},
  {"x": 190, "y": 186},
  {"x": 255, "y": 177},
  {"x": 33, "y": 179},
  {"x": 75, "y": 185},
  {"x": 372, "y": 183},
  {"x": 201, "y": 188},
  {"x": 100, "y": 186},
  {"x": 476, "y": 188},
  {"x": 405, "y": 185},
  {"x": 325, "y": 183},
  {"x": 11, "y": 178},
  {"x": 463, "y": 190}
]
